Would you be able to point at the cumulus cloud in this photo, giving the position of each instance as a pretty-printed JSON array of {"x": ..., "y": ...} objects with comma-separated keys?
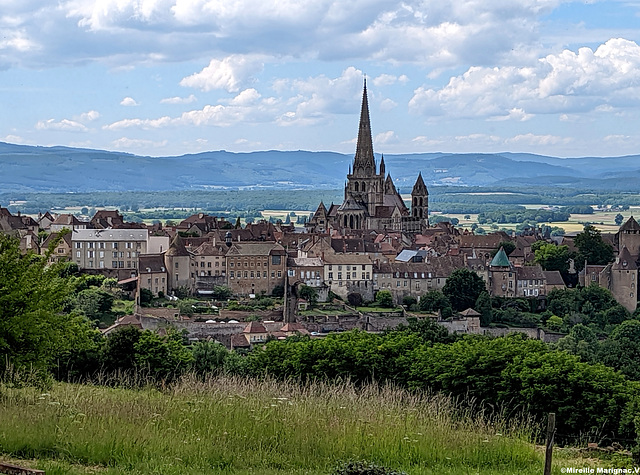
[
  {"x": 229, "y": 73},
  {"x": 179, "y": 100},
  {"x": 247, "y": 106},
  {"x": 64, "y": 125},
  {"x": 568, "y": 82},
  {"x": 129, "y": 102},
  {"x": 89, "y": 116},
  {"x": 385, "y": 138},
  {"x": 444, "y": 33}
]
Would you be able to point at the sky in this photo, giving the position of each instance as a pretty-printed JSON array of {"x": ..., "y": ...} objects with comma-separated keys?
[{"x": 171, "y": 77}]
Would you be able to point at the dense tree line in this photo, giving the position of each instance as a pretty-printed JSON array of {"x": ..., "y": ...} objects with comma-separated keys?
[{"x": 522, "y": 215}]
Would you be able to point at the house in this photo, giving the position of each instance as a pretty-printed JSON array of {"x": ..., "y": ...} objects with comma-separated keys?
[
  {"x": 255, "y": 268},
  {"x": 66, "y": 221},
  {"x": 255, "y": 333},
  {"x": 112, "y": 252},
  {"x": 104, "y": 219},
  {"x": 350, "y": 272},
  {"x": 208, "y": 267},
  {"x": 153, "y": 274},
  {"x": 415, "y": 278},
  {"x": 62, "y": 249}
]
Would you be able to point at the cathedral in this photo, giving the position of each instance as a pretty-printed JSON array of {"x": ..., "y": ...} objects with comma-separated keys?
[{"x": 371, "y": 201}]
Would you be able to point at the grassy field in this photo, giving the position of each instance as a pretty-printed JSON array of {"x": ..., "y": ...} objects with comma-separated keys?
[{"x": 241, "y": 427}]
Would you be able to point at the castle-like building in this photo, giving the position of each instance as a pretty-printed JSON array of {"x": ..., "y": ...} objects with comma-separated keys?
[{"x": 371, "y": 200}]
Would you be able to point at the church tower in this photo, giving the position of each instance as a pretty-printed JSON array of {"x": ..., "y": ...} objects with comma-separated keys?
[
  {"x": 420, "y": 201},
  {"x": 364, "y": 183}
]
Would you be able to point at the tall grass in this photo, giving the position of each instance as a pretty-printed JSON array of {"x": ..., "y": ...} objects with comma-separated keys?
[{"x": 232, "y": 425}]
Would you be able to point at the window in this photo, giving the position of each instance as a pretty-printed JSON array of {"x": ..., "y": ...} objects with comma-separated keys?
[
  {"x": 114, "y": 264},
  {"x": 101, "y": 245},
  {"x": 177, "y": 264},
  {"x": 202, "y": 264},
  {"x": 348, "y": 275},
  {"x": 114, "y": 254},
  {"x": 101, "y": 264},
  {"x": 78, "y": 253},
  {"x": 275, "y": 260},
  {"x": 101, "y": 254},
  {"x": 114, "y": 245},
  {"x": 121, "y": 264},
  {"x": 129, "y": 245},
  {"x": 279, "y": 273},
  {"x": 246, "y": 274},
  {"x": 339, "y": 275},
  {"x": 91, "y": 254},
  {"x": 331, "y": 275},
  {"x": 231, "y": 274},
  {"x": 208, "y": 264},
  {"x": 78, "y": 245}
]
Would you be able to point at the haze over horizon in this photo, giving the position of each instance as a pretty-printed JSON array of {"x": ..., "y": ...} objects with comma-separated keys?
[{"x": 171, "y": 77}]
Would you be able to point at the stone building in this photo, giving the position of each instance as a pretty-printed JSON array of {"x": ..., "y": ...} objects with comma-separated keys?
[
  {"x": 371, "y": 200},
  {"x": 255, "y": 268}
]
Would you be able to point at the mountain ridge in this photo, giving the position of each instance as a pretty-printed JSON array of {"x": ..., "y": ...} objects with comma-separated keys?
[{"x": 27, "y": 168}]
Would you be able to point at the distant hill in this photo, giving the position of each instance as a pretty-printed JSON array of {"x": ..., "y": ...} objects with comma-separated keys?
[{"x": 65, "y": 169}]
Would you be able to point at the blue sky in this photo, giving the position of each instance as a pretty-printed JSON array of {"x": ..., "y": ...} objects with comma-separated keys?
[{"x": 168, "y": 77}]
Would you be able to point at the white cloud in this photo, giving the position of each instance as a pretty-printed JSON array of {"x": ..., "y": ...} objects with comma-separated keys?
[
  {"x": 567, "y": 82},
  {"x": 125, "y": 143},
  {"x": 386, "y": 138},
  {"x": 65, "y": 125},
  {"x": 247, "y": 106},
  {"x": 229, "y": 74},
  {"x": 13, "y": 139},
  {"x": 89, "y": 116},
  {"x": 387, "y": 104},
  {"x": 532, "y": 139},
  {"x": 179, "y": 100},
  {"x": 129, "y": 102}
]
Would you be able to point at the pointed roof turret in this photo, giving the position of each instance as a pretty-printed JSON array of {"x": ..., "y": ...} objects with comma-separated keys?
[
  {"x": 420, "y": 188},
  {"x": 382, "y": 167},
  {"x": 500, "y": 259},
  {"x": 631, "y": 225},
  {"x": 364, "y": 163},
  {"x": 624, "y": 261},
  {"x": 177, "y": 248}
]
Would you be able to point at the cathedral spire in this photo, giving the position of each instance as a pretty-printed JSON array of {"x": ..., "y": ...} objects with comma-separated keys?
[{"x": 364, "y": 162}]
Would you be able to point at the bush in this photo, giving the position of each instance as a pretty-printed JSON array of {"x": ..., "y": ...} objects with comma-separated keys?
[
  {"x": 361, "y": 467},
  {"x": 355, "y": 299}
]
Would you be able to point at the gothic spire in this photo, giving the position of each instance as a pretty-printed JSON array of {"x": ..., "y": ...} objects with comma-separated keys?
[{"x": 364, "y": 162}]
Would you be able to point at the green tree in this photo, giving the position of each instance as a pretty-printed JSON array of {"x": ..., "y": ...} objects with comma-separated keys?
[
  {"x": 94, "y": 303},
  {"x": 581, "y": 341},
  {"x": 484, "y": 308},
  {"x": 433, "y": 301},
  {"x": 555, "y": 323},
  {"x": 384, "y": 299},
  {"x": 308, "y": 293},
  {"x": 221, "y": 292},
  {"x": 551, "y": 257},
  {"x": 119, "y": 349},
  {"x": 163, "y": 357},
  {"x": 34, "y": 330},
  {"x": 208, "y": 356},
  {"x": 618, "y": 219},
  {"x": 591, "y": 247},
  {"x": 622, "y": 349},
  {"x": 463, "y": 287}
]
